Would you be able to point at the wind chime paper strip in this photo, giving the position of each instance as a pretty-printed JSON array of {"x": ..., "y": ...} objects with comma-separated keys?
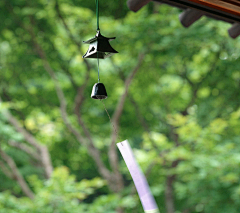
[{"x": 146, "y": 197}]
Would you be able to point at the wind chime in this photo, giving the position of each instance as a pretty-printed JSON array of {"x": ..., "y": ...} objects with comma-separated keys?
[{"x": 99, "y": 48}]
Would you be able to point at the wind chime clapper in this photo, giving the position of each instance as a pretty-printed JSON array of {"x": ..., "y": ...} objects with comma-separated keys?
[{"x": 99, "y": 48}]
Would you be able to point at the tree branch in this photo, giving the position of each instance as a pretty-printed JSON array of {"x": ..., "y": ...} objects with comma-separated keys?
[
  {"x": 137, "y": 110},
  {"x": 17, "y": 175},
  {"x": 169, "y": 198},
  {"x": 112, "y": 152},
  {"x": 5, "y": 170},
  {"x": 78, "y": 44},
  {"x": 93, "y": 151},
  {"x": 63, "y": 107},
  {"x": 169, "y": 191},
  {"x": 25, "y": 148},
  {"x": 120, "y": 105},
  {"x": 143, "y": 122},
  {"x": 45, "y": 157},
  {"x": 79, "y": 98}
]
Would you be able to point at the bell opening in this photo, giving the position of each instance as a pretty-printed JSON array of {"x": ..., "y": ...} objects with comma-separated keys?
[{"x": 100, "y": 97}]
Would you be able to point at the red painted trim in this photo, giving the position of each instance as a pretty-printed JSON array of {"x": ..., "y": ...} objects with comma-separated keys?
[{"x": 229, "y": 6}]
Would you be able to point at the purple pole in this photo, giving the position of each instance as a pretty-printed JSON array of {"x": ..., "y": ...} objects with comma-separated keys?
[{"x": 146, "y": 197}]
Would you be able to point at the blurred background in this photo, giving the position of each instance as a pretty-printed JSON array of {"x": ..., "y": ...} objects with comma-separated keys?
[{"x": 172, "y": 92}]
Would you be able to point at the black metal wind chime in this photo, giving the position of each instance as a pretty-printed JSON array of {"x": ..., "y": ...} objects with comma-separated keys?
[{"x": 99, "y": 48}]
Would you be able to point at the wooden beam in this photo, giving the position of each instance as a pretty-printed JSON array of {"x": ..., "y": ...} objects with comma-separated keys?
[
  {"x": 211, "y": 12},
  {"x": 225, "y": 10},
  {"x": 189, "y": 16},
  {"x": 136, "y": 5},
  {"x": 229, "y": 6},
  {"x": 234, "y": 31}
]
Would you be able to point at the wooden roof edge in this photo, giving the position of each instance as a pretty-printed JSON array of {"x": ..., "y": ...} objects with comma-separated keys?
[
  {"x": 229, "y": 6},
  {"x": 136, "y": 5},
  {"x": 228, "y": 10},
  {"x": 192, "y": 11}
]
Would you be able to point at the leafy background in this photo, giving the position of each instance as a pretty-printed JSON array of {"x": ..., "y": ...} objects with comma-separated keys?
[{"x": 172, "y": 92}]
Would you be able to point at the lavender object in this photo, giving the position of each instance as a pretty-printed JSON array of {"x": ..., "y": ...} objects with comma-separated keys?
[{"x": 146, "y": 197}]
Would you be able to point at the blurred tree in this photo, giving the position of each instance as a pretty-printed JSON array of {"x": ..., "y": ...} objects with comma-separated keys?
[{"x": 173, "y": 92}]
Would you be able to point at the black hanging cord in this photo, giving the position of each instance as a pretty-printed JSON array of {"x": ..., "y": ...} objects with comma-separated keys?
[
  {"x": 97, "y": 13},
  {"x": 98, "y": 68}
]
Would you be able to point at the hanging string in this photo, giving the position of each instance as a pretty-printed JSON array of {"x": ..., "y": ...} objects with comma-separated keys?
[
  {"x": 97, "y": 14},
  {"x": 115, "y": 130},
  {"x": 98, "y": 68}
]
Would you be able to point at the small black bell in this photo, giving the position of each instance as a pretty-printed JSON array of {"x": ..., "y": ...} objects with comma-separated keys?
[
  {"x": 99, "y": 47},
  {"x": 99, "y": 91}
]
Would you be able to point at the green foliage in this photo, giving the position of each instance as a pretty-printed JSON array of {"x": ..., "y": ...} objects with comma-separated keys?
[
  {"x": 208, "y": 173},
  {"x": 61, "y": 193},
  {"x": 182, "y": 106}
]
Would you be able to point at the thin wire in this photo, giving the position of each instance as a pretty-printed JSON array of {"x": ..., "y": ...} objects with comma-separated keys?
[
  {"x": 115, "y": 130},
  {"x": 98, "y": 68},
  {"x": 97, "y": 13}
]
